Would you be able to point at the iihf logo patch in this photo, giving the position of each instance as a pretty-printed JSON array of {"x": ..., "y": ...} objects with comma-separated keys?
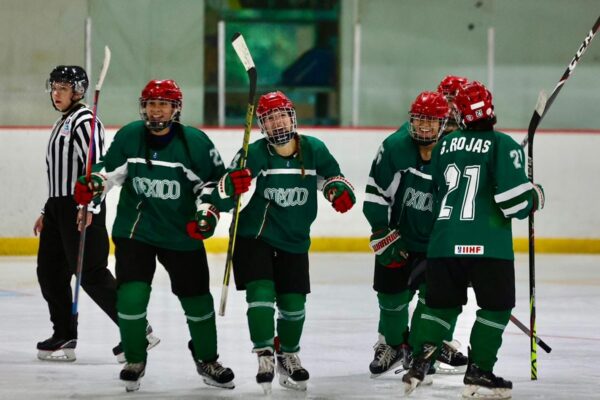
[{"x": 463, "y": 249}]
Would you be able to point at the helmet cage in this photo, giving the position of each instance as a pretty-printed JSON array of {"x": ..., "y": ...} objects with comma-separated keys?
[
  {"x": 424, "y": 139},
  {"x": 157, "y": 126},
  {"x": 278, "y": 132}
]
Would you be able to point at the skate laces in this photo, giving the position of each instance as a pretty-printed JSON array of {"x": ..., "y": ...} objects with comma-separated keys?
[
  {"x": 386, "y": 356},
  {"x": 266, "y": 362},
  {"x": 134, "y": 367},
  {"x": 291, "y": 362},
  {"x": 213, "y": 368}
]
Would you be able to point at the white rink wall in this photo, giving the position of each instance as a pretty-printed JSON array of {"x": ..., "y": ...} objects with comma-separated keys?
[{"x": 566, "y": 164}]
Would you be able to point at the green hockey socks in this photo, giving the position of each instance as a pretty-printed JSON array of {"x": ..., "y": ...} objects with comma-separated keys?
[
  {"x": 393, "y": 316},
  {"x": 436, "y": 325},
  {"x": 200, "y": 316},
  {"x": 132, "y": 303},
  {"x": 486, "y": 337},
  {"x": 260, "y": 296},
  {"x": 290, "y": 321}
]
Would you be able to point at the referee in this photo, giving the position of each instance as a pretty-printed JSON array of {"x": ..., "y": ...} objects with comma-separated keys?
[{"x": 66, "y": 157}]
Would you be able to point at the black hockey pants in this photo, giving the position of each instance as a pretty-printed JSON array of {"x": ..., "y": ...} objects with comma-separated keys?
[{"x": 57, "y": 263}]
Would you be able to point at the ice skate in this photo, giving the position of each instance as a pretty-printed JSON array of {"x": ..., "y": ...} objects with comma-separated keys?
[
  {"x": 419, "y": 371},
  {"x": 386, "y": 359},
  {"x": 485, "y": 385},
  {"x": 152, "y": 342},
  {"x": 291, "y": 373},
  {"x": 451, "y": 361},
  {"x": 212, "y": 372},
  {"x": 266, "y": 368},
  {"x": 132, "y": 374},
  {"x": 55, "y": 349}
]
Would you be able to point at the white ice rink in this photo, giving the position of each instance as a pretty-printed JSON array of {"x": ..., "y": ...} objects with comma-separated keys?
[{"x": 337, "y": 343}]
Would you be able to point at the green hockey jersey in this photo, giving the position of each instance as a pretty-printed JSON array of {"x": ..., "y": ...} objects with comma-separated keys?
[
  {"x": 160, "y": 185},
  {"x": 282, "y": 202},
  {"x": 398, "y": 192},
  {"x": 479, "y": 185}
]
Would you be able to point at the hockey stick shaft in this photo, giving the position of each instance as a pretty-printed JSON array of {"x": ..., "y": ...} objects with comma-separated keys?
[
  {"x": 241, "y": 49},
  {"x": 88, "y": 172},
  {"x": 570, "y": 68},
  {"x": 540, "y": 111},
  {"x": 526, "y": 331}
]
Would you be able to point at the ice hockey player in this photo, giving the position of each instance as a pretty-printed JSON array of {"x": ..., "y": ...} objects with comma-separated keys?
[
  {"x": 479, "y": 184},
  {"x": 398, "y": 205},
  {"x": 270, "y": 261},
  {"x": 166, "y": 170}
]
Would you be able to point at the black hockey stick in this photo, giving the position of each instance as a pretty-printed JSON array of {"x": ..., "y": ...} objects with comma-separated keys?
[
  {"x": 239, "y": 44},
  {"x": 526, "y": 331},
  {"x": 88, "y": 173},
  {"x": 540, "y": 111}
]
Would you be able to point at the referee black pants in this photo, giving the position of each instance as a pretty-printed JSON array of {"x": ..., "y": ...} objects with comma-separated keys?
[{"x": 57, "y": 263}]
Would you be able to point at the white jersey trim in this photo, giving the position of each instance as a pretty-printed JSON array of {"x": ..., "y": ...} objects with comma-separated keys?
[{"x": 512, "y": 193}]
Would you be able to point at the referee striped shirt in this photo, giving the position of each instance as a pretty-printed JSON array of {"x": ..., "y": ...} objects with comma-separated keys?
[{"x": 67, "y": 150}]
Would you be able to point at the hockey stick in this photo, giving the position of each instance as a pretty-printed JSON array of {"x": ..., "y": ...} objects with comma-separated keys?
[
  {"x": 535, "y": 120},
  {"x": 522, "y": 327},
  {"x": 540, "y": 111},
  {"x": 239, "y": 45},
  {"x": 88, "y": 173}
]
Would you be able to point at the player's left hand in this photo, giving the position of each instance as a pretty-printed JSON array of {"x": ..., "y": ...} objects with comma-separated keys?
[
  {"x": 204, "y": 223},
  {"x": 339, "y": 191}
]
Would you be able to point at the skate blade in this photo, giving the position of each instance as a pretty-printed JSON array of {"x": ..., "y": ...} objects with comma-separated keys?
[
  {"x": 480, "y": 392},
  {"x": 132, "y": 386},
  {"x": 289, "y": 383},
  {"x": 447, "y": 369},
  {"x": 60, "y": 355},
  {"x": 396, "y": 367},
  {"x": 267, "y": 388},
  {"x": 152, "y": 342},
  {"x": 410, "y": 387},
  {"x": 211, "y": 382}
]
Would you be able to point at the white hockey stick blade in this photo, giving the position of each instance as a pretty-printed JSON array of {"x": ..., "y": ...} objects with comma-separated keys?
[
  {"x": 540, "y": 106},
  {"x": 104, "y": 69},
  {"x": 239, "y": 45}
]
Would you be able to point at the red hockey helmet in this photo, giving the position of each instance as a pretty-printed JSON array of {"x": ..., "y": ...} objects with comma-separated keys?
[
  {"x": 473, "y": 102},
  {"x": 428, "y": 116},
  {"x": 276, "y": 118},
  {"x": 166, "y": 90},
  {"x": 450, "y": 84}
]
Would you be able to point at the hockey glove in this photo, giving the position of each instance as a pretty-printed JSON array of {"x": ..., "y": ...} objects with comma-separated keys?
[
  {"x": 235, "y": 182},
  {"x": 88, "y": 191},
  {"x": 389, "y": 248},
  {"x": 204, "y": 223},
  {"x": 339, "y": 191},
  {"x": 538, "y": 197}
]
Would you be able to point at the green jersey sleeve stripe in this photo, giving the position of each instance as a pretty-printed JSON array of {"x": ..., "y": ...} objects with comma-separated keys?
[
  {"x": 116, "y": 177},
  {"x": 373, "y": 198},
  {"x": 512, "y": 193},
  {"x": 510, "y": 212}
]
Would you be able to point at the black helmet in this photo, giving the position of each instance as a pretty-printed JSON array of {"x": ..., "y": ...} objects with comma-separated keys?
[{"x": 71, "y": 74}]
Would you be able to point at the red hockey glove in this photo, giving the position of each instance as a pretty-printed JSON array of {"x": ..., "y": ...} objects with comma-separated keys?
[
  {"x": 204, "y": 223},
  {"x": 86, "y": 192},
  {"x": 538, "y": 197},
  {"x": 235, "y": 182},
  {"x": 339, "y": 191},
  {"x": 389, "y": 248}
]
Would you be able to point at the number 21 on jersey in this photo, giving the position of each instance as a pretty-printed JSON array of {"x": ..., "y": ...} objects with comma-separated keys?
[{"x": 454, "y": 177}]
